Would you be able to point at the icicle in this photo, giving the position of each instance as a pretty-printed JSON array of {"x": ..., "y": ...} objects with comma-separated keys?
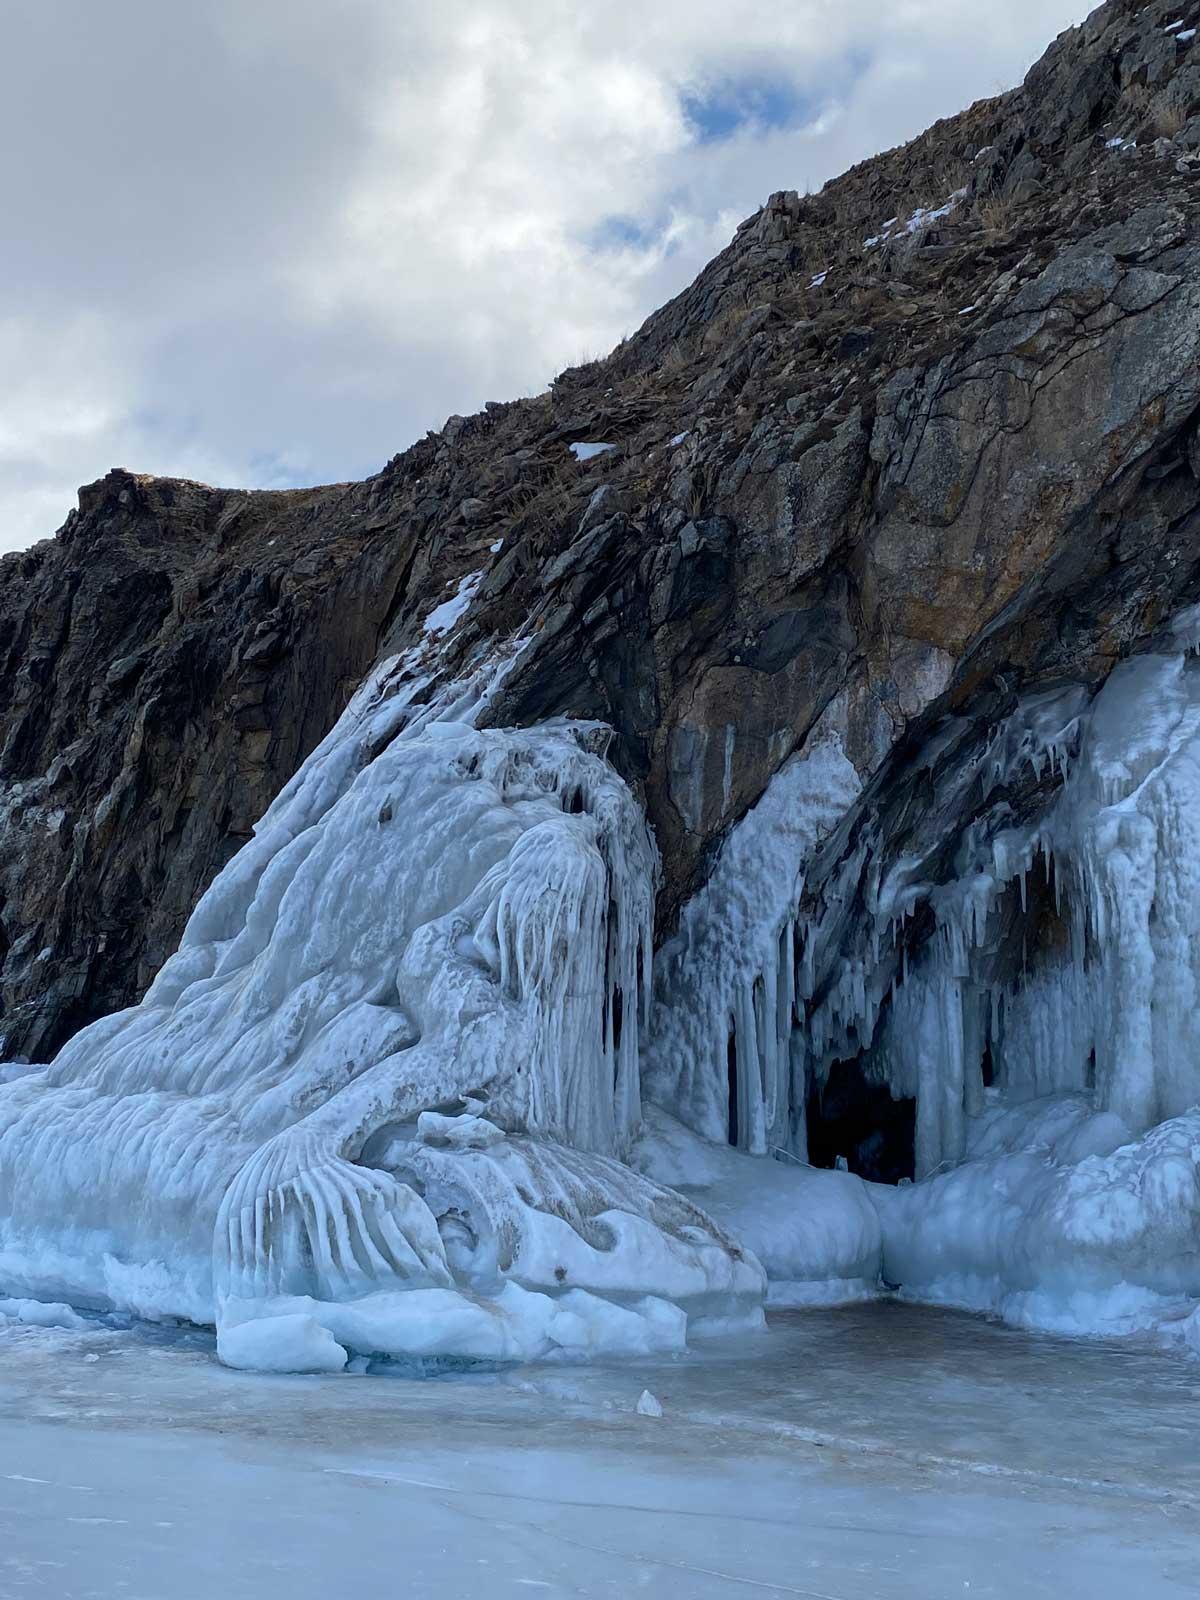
[{"x": 737, "y": 952}]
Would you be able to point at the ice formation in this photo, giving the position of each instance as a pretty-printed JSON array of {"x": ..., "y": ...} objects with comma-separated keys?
[
  {"x": 431, "y": 918},
  {"x": 1044, "y": 1023},
  {"x": 1047, "y": 1027},
  {"x": 725, "y": 996},
  {"x": 1094, "y": 986},
  {"x": 816, "y": 1233},
  {"x": 413, "y": 1086},
  {"x": 1075, "y": 1227}
]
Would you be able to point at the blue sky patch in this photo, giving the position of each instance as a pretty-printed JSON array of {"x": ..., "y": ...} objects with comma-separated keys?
[
  {"x": 623, "y": 231},
  {"x": 722, "y": 109}
]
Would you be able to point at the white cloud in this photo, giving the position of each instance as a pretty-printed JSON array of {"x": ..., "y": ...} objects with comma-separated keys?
[{"x": 276, "y": 242}]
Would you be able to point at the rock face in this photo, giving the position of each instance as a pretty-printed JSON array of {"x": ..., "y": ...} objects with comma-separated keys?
[{"x": 904, "y": 451}]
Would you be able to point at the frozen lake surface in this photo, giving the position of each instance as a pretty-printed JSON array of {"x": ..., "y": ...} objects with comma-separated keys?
[{"x": 859, "y": 1454}]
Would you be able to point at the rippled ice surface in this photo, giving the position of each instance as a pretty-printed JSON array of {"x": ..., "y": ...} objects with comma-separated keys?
[{"x": 877, "y": 1451}]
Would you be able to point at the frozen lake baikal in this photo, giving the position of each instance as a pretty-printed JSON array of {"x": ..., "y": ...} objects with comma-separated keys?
[{"x": 865, "y": 1453}]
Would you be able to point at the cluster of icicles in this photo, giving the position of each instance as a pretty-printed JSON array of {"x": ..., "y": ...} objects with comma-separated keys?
[{"x": 751, "y": 993}]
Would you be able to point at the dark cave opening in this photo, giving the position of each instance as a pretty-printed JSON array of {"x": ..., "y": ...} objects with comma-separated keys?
[{"x": 851, "y": 1117}]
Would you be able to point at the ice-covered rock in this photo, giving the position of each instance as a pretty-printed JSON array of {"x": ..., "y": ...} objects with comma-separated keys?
[
  {"x": 725, "y": 984},
  {"x": 430, "y": 916}
]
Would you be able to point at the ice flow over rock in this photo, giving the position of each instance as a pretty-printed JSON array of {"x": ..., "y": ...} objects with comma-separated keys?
[{"x": 430, "y": 917}]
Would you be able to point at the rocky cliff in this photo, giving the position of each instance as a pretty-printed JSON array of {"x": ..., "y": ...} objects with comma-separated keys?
[{"x": 907, "y": 450}]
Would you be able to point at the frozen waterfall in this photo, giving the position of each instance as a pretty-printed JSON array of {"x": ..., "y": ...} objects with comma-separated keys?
[{"x": 1064, "y": 953}]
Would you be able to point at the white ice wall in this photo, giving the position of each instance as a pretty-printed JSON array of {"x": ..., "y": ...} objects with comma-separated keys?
[{"x": 727, "y": 979}]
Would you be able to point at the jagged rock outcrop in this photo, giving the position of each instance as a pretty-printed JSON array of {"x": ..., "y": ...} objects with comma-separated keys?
[{"x": 906, "y": 449}]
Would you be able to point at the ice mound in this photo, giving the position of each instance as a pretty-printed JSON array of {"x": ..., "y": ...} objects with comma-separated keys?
[
  {"x": 432, "y": 919},
  {"x": 41, "y": 1314},
  {"x": 1065, "y": 1126},
  {"x": 549, "y": 1251},
  {"x": 1104, "y": 1244},
  {"x": 815, "y": 1232},
  {"x": 298, "y": 1334}
]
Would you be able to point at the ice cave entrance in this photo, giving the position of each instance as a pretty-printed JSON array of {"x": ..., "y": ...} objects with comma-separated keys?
[{"x": 861, "y": 1124}]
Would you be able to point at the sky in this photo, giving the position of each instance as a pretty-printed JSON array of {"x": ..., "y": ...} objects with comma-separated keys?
[{"x": 272, "y": 242}]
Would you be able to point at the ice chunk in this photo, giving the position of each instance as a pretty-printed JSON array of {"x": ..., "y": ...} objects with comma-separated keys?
[
  {"x": 463, "y": 1133},
  {"x": 42, "y": 1314},
  {"x": 292, "y": 1342},
  {"x": 649, "y": 1405},
  {"x": 296, "y": 1334},
  {"x": 587, "y": 1325}
]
